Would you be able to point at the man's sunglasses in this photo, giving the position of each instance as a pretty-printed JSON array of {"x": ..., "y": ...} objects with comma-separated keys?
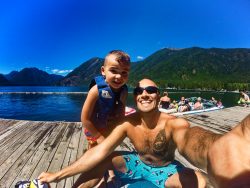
[{"x": 149, "y": 90}]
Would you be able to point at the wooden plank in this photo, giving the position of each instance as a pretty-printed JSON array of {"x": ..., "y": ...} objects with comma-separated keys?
[
  {"x": 72, "y": 150},
  {"x": 63, "y": 145},
  {"x": 208, "y": 123},
  {"x": 5, "y": 121},
  {"x": 11, "y": 128},
  {"x": 15, "y": 138},
  {"x": 70, "y": 156},
  {"x": 6, "y": 124},
  {"x": 82, "y": 146},
  {"x": 37, "y": 155},
  {"x": 50, "y": 147},
  {"x": 12, "y": 148},
  {"x": 213, "y": 127},
  {"x": 83, "y": 143},
  {"x": 228, "y": 117},
  {"x": 60, "y": 153},
  {"x": 19, "y": 157},
  {"x": 65, "y": 163},
  {"x": 220, "y": 121}
]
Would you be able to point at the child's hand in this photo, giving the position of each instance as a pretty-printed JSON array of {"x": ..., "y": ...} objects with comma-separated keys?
[{"x": 100, "y": 139}]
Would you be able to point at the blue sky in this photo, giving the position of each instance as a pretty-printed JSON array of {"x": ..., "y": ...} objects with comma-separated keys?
[{"x": 58, "y": 35}]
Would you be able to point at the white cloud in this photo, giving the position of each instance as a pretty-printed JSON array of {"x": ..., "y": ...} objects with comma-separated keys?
[
  {"x": 140, "y": 57},
  {"x": 57, "y": 71}
]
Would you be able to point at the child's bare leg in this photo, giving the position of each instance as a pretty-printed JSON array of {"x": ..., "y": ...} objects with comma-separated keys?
[
  {"x": 111, "y": 174},
  {"x": 112, "y": 179}
]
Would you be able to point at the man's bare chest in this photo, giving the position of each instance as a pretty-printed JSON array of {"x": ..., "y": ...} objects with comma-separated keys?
[{"x": 156, "y": 143}]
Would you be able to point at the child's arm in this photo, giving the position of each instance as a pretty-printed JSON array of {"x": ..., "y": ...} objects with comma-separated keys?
[
  {"x": 123, "y": 97},
  {"x": 87, "y": 111}
]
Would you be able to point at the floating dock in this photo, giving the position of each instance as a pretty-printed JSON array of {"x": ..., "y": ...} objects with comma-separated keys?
[{"x": 31, "y": 147}]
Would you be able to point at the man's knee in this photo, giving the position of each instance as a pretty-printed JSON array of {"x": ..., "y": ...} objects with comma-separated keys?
[
  {"x": 186, "y": 178},
  {"x": 90, "y": 183},
  {"x": 118, "y": 163}
]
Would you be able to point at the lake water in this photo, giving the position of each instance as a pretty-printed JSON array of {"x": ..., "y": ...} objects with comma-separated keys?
[{"x": 65, "y": 103}]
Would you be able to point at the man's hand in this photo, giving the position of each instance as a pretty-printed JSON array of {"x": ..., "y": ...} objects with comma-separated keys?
[{"x": 46, "y": 177}]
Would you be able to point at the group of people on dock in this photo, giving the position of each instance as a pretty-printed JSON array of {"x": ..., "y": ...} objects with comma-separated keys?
[
  {"x": 155, "y": 137},
  {"x": 184, "y": 104}
]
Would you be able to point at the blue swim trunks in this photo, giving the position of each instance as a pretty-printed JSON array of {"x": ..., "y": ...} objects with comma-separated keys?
[{"x": 139, "y": 170}]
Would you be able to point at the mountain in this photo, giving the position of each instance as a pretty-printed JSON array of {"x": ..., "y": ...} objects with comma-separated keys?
[
  {"x": 3, "y": 80},
  {"x": 205, "y": 68},
  {"x": 11, "y": 75},
  {"x": 196, "y": 68},
  {"x": 212, "y": 68},
  {"x": 32, "y": 77},
  {"x": 83, "y": 74}
]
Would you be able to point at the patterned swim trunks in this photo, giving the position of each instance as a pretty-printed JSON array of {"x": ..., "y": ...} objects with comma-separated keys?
[{"x": 139, "y": 170}]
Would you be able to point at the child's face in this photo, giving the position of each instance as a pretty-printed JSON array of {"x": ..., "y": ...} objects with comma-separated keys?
[{"x": 116, "y": 73}]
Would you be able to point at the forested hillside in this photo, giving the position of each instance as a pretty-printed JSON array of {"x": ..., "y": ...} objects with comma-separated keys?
[
  {"x": 196, "y": 68},
  {"x": 189, "y": 68}
]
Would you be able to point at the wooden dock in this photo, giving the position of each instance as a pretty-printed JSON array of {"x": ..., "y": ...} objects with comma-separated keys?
[{"x": 30, "y": 147}]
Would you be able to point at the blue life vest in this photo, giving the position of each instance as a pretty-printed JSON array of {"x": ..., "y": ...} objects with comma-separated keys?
[{"x": 108, "y": 105}]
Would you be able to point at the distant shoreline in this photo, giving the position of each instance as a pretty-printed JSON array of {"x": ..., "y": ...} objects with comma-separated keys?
[
  {"x": 46, "y": 93},
  {"x": 85, "y": 93}
]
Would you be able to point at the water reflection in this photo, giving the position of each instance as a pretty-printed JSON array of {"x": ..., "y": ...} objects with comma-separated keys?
[{"x": 41, "y": 107}]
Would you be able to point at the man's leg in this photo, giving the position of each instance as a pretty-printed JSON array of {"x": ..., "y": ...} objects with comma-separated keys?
[
  {"x": 185, "y": 179},
  {"x": 114, "y": 162},
  {"x": 93, "y": 182}
]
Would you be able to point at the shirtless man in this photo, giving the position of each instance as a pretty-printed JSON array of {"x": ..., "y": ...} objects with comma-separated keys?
[
  {"x": 165, "y": 101},
  {"x": 155, "y": 136}
]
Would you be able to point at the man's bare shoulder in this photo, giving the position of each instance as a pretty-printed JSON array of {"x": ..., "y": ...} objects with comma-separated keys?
[
  {"x": 166, "y": 116},
  {"x": 132, "y": 119},
  {"x": 178, "y": 123}
]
